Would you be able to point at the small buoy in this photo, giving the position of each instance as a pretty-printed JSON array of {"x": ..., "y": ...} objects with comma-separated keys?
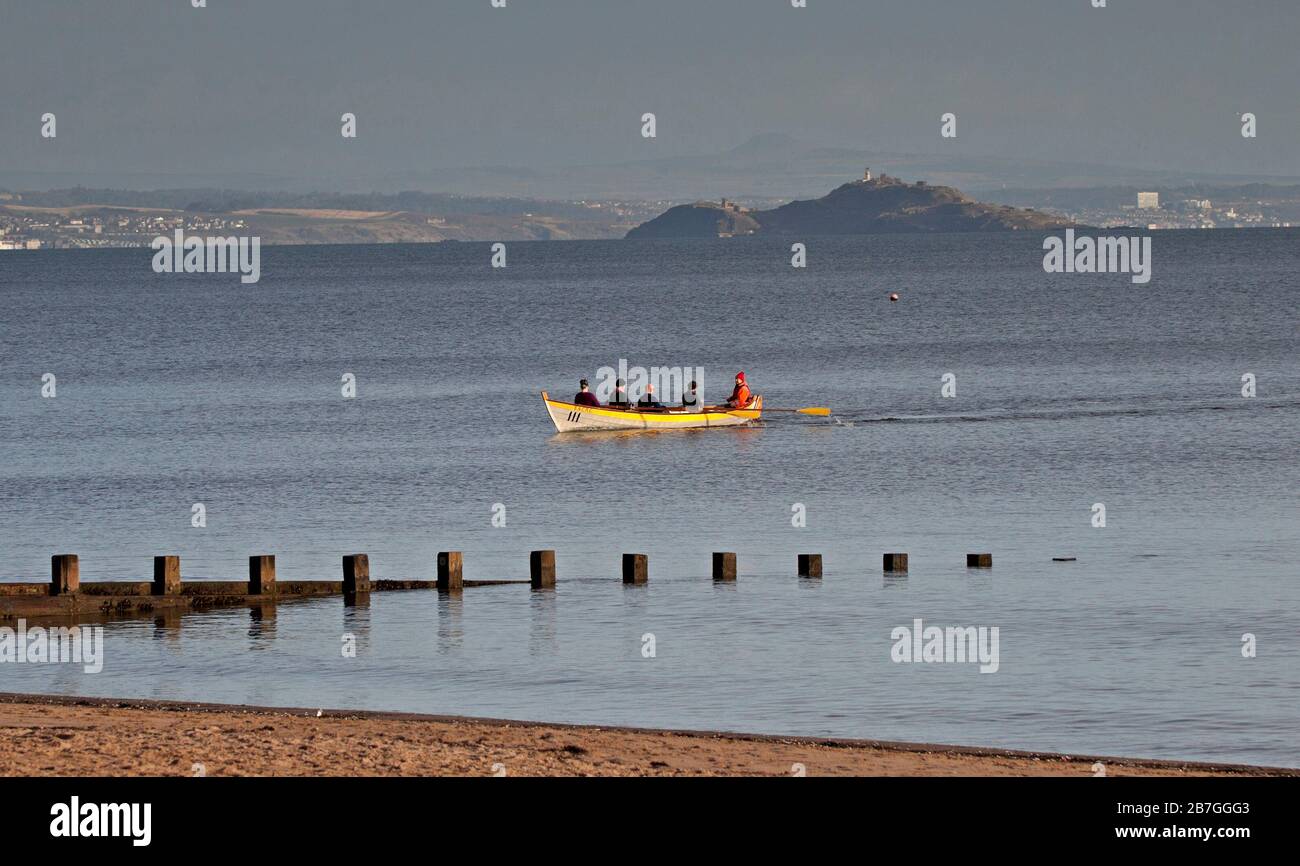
[{"x": 893, "y": 296}]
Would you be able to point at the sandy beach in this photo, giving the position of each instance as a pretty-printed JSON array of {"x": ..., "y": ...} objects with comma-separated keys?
[{"x": 66, "y": 736}]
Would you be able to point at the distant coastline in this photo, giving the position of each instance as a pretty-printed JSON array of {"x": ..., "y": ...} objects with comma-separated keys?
[
  {"x": 95, "y": 218},
  {"x": 84, "y": 218}
]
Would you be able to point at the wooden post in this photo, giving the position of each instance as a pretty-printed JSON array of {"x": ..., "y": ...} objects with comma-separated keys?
[
  {"x": 166, "y": 575},
  {"x": 895, "y": 562},
  {"x": 979, "y": 560},
  {"x": 541, "y": 568},
  {"x": 261, "y": 575},
  {"x": 810, "y": 565},
  {"x": 724, "y": 566},
  {"x": 356, "y": 574},
  {"x": 636, "y": 568},
  {"x": 451, "y": 571},
  {"x": 65, "y": 574}
]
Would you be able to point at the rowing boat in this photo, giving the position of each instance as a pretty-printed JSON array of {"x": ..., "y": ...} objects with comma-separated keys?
[{"x": 570, "y": 416}]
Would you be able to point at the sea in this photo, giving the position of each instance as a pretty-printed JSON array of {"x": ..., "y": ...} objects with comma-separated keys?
[{"x": 1127, "y": 453}]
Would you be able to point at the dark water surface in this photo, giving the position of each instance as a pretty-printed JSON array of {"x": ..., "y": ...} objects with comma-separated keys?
[{"x": 1071, "y": 390}]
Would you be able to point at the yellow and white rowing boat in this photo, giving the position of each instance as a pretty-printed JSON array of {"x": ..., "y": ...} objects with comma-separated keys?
[{"x": 568, "y": 417}]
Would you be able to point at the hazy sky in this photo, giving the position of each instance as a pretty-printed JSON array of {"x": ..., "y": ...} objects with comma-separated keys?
[{"x": 258, "y": 86}]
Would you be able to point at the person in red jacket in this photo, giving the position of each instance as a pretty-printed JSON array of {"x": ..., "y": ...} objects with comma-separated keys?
[{"x": 741, "y": 396}]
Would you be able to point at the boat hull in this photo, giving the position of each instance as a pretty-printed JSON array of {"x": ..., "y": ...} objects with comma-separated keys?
[{"x": 568, "y": 417}]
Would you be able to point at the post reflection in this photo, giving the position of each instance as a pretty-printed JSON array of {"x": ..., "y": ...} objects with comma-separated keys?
[{"x": 261, "y": 624}]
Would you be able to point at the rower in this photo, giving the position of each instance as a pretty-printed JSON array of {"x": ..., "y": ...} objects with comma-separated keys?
[
  {"x": 691, "y": 399},
  {"x": 584, "y": 396},
  {"x": 741, "y": 396},
  {"x": 649, "y": 401},
  {"x": 619, "y": 397}
]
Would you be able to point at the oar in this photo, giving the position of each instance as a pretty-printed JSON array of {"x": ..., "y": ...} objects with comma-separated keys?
[{"x": 807, "y": 410}]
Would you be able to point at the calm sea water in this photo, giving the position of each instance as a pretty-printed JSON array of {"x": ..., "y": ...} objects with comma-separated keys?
[{"x": 1071, "y": 390}]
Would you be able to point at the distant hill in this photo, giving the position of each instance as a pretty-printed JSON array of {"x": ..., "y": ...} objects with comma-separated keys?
[{"x": 878, "y": 205}]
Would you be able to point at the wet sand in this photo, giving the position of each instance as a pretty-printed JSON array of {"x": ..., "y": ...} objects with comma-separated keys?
[{"x": 58, "y": 736}]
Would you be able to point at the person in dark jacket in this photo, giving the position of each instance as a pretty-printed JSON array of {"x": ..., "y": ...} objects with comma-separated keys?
[
  {"x": 619, "y": 398},
  {"x": 584, "y": 397},
  {"x": 649, "y": 401},
  {"x": 691, "y": 399}
]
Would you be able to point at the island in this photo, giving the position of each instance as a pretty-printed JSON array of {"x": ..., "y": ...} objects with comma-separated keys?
[{"x": 871, "y": 205}]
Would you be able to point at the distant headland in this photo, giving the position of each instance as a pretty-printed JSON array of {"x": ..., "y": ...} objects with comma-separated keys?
[{"x": 871, "y": 205}]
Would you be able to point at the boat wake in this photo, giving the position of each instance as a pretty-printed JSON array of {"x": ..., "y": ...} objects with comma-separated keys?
[{"x": 850, "y": 418}]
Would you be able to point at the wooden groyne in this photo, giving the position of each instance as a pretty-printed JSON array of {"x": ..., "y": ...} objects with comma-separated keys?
[{"x": 65, "y": 596}]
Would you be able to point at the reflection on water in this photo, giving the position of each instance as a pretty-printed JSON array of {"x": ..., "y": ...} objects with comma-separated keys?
[
  {"x": 261, "y": 625},
  {"x": 356, "y": 624},
  {"x": 542, "y": 632},
  {"x": 167, "y": 624},
  {"x": 451, "y": 628},
  {"x": 617, "y": 438}
]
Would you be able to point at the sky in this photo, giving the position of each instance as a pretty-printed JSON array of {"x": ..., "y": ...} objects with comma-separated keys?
[{"x": 249, "y": 88}]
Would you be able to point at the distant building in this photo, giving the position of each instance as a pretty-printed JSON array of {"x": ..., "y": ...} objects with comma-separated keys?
[
  {"x": 866, "y": 175},
  {"x": 1149, "y": 200}
]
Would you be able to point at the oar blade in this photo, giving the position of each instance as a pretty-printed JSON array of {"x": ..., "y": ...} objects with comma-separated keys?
[{"x": 822, "y": 411}]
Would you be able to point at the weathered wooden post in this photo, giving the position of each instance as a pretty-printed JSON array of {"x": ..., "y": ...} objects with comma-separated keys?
[
  {"x": 541, "y": 568},
  {"x": 979, "y": 560},
  {"x": 724, "y": 566},
  {"x": 65, "y": 574},
  {"x": 810, "y": 565},
  {"x": 166, "y": 575},
  {"x": 261, "y": 575},
  {"x": 356, "y": 574},
  {"x": 450, "y": 571},
  {"x": 895, "y": 562},
  {"x": 636, "y": 568}
]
